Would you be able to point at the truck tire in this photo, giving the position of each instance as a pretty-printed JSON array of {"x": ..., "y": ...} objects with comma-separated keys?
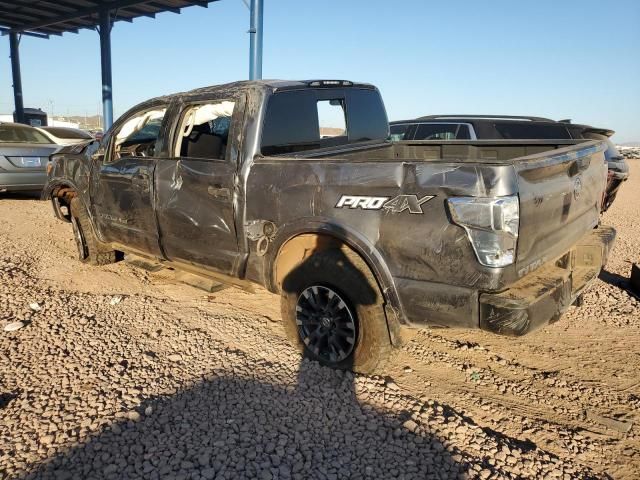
[
  {"x": 90, "y": 249},
  {"x": 333, "y": 312}
]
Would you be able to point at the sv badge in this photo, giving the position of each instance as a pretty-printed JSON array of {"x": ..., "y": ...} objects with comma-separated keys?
[{"x": 397, "y": 204}]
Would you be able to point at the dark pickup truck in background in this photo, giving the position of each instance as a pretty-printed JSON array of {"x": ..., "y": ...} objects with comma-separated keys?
[
  {"x": 294, "y": 185},
  {"x": 509, "y": 127}
]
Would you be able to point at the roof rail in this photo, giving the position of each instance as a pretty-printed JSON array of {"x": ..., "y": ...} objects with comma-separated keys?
[{"x": 487, "y": 117}]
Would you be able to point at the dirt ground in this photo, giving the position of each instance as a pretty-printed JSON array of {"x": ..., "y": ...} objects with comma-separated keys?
[{"x": 122, "y": 373}]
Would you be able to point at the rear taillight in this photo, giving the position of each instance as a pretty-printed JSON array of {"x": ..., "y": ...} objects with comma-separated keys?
[{"x": 491, "y": 224}]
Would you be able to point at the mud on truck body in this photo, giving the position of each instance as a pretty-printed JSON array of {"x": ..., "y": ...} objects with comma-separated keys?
[{"x": 361, "y": 237}]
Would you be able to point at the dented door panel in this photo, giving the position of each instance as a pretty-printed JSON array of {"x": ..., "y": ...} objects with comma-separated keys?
[{"x": 196, "y": 213}]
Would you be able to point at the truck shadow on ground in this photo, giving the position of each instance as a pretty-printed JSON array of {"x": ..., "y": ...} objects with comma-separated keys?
[
  {"x": 278, "y": 421},
  {"x": 619, "y": 281},
  {"x": 243, "y": 428}
]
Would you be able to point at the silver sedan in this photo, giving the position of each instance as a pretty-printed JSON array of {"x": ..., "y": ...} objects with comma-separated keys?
[{"x": 24, "y": 154}]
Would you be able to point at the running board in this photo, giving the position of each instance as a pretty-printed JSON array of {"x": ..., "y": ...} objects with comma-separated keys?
[
  {"x": 195, "y": 276},
  {"x": 143, "y": 262}
]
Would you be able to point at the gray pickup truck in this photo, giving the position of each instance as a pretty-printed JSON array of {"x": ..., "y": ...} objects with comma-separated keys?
[{"x": 294, "y": 186}]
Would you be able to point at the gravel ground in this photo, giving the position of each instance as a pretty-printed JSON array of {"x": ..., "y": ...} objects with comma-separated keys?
[{"x": 120, "y": 373}]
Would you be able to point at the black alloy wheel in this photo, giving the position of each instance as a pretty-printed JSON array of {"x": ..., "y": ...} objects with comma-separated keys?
[{"x": 326, "y": 324}]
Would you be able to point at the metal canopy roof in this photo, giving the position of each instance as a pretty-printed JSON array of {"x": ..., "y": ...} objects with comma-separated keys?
[{"x": 42, "y": 18}]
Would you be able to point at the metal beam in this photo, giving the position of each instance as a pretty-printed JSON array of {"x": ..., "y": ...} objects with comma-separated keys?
[
  {"x": 137, "y": 12},
  {"x": 29, "y": 17},
  {"x": 198, "y": 3},
  {"x": 17, "y": 80},
  {"x": 40, "y": 7},
  {"x": 81, "y": 12},
  {"x": 5, "y": 31},
  {"x": 167, "y": 9},
  {"x": 105, "y": 64},
  {"x": 255, "y": 40}
]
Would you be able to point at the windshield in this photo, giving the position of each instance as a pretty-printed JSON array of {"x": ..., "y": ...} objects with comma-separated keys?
[
  {"x": 21, "y": 134},
  {"x": 71, "y": 133},
  {"x": 149, "y": 132}
]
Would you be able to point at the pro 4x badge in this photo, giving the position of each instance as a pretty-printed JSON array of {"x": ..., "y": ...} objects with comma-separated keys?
[{"x": 395, "y": 205}]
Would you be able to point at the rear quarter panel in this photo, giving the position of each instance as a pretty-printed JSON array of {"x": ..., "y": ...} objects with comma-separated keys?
[{"x": 301, "y": 195}]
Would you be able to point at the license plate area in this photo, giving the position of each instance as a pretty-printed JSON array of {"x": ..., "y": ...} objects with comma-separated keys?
[{"x": 26, "y": 162}]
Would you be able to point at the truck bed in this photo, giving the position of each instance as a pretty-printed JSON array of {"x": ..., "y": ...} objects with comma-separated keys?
[{"x": 494, "y": 151}]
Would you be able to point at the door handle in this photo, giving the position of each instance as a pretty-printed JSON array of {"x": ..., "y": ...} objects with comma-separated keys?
[{"x": 218, "y": 191}]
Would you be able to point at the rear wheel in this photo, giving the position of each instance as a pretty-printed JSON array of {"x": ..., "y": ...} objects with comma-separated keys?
[
  {"x": 326, "y": 324},
  {"x": 90, "y": 249},
  {"x": 333, "y": 312}
]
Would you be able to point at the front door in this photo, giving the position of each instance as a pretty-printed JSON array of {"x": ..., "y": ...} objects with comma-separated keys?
[
  {"x": 196, "y": 187},
  {"x": 123, "y": 185}
]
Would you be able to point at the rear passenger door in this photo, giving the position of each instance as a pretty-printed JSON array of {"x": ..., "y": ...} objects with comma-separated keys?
[{"x": 196, "y": 185}]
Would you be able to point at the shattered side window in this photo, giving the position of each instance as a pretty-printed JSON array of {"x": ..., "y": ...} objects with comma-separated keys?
[
  {"x": 137, "y": 137},
  {"x": 204, "y": 131}
]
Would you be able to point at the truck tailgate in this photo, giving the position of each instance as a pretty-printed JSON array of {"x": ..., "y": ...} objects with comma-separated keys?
[{"x": 560, "y": 194}]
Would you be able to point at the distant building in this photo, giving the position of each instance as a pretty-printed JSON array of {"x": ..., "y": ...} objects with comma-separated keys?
[{"x": 61, "y": 122}]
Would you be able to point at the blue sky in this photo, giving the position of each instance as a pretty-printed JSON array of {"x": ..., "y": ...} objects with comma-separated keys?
[{"x": 576, "y": 59}]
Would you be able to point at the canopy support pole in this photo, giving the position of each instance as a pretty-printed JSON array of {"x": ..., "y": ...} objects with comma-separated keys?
[
  {"x": 255, "y": 46},
  {"x": 14, "y": 42},
  {"x": 105, "y": 64}
]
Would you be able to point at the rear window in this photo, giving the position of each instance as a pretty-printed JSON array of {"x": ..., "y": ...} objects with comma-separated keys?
[
  {"x": 302, "y": 120},
  {"x": 21, "y": 134},
  {"x": 68, "y": 133},
  {"x": 531, "y": 131}
]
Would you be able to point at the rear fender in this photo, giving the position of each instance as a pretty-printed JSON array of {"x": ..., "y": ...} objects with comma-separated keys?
[{"x": 318, "y": 234}]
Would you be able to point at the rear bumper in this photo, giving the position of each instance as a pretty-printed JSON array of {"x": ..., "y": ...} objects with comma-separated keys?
[
  {"x": 534, "y": 300},
  {"x": 541, "y": 296},
  {"x": 12, "y": 181}
]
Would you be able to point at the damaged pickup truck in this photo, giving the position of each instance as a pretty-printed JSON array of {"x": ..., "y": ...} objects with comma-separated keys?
[{"x": 294, "y": 186}]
